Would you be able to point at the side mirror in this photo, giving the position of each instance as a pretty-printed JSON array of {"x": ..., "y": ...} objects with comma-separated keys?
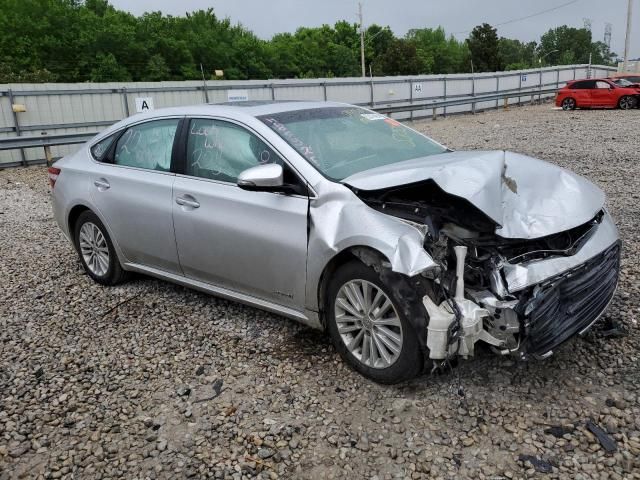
[{"x": 262, "y": 178}]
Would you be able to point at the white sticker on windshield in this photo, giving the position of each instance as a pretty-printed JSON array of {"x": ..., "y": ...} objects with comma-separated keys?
[{"x": 373, "y": 116}]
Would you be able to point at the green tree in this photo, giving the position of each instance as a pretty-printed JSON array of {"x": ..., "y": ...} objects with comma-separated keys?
[
  {"x": 108, "y": 69},
  {"x": 401, "y": 58},
  {"x": 516, "y": 55},
  {"x": 565, "y": 45},
  {"x": 483, "y": 48},
  {"x": 438, "y": 53},
  {"x": 157, "y": 69}
]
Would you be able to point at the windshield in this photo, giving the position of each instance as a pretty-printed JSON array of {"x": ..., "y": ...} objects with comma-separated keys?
[
  {"x": 623, "y": 82},
  {"x": 342, "y": 141}
]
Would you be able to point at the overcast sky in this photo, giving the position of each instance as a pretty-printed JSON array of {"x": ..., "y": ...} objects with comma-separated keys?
[{"x": 265, "y": 18}]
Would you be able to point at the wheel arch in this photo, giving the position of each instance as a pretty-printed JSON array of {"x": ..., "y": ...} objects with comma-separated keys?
[
  {"x": 367, "y": 255},
  {"x": 409, "y": 289},
  {"x": 72, "y": 219}
]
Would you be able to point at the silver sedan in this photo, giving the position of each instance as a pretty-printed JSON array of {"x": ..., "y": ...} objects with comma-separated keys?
[{"x": 405, "y": 252}]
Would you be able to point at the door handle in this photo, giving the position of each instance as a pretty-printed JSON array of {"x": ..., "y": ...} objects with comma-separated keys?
[
  {"x": 102, "y": 184},
  {"x": 187, "y": 201}
]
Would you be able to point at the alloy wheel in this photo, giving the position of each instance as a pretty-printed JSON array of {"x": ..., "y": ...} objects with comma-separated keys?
[
  {"x": 568, "y": 104},
  {"x": 368, "y": 324},
  {"x": 94, "y": 249},
  {"x": 627, "y": 103}
]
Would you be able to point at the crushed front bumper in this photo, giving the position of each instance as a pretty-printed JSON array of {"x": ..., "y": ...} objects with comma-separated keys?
[
  {"x": 562, "y": 296},
  {"x": 568, "y": 304}
]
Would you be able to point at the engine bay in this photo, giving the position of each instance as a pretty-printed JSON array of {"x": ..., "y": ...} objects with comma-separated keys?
[{"x": 472, "y": 301}]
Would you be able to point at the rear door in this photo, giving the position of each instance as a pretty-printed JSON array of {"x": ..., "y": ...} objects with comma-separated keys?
[
  {"x": 253, "y": 243},
  {"x": 581, "y": 92},
  {"x": 131, "y": 187}
]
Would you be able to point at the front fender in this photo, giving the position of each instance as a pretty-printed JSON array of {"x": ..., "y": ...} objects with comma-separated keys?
[{"x": 338, "y": 220}]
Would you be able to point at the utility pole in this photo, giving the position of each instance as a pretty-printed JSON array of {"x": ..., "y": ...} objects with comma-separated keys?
[
  {"x": 361, "y": 39},
  {"x": 627, "y": 40},
  {"x": 204, "y": 85}
]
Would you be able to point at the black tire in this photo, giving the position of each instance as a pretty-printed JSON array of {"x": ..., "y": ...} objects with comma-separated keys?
[
  {"x": 114, "y": 273},
  {"x": 569, "y": 104},
  {"x": 627, "y": 102},
  {"x": 410, "y": 360}
]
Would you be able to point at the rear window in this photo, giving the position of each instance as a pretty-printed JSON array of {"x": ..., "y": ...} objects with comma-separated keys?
[{"x": 100, "y": 149}]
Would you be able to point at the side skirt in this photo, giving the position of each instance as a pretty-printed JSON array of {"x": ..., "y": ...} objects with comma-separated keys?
[{"x": 307, "y": 318}]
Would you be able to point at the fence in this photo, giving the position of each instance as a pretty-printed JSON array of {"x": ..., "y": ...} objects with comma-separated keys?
[{"x": 64, "y": 114}]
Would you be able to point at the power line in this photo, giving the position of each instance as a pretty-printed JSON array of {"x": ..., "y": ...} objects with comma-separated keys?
[{"x": 514, "y": 20}]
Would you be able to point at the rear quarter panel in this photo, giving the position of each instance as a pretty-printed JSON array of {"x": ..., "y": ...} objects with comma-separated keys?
[{"x": 72, "y": 189}]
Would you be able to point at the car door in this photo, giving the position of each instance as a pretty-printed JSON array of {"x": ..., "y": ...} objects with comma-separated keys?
[
  {"x": 602, "y": 95},
  {"x": 131, "y": 188},
  {"x": 250, "y": 242},
  {"x": 581, "y": 92}
]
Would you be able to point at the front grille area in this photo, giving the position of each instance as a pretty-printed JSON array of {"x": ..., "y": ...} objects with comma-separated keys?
[{"x": 571, "y": 302}]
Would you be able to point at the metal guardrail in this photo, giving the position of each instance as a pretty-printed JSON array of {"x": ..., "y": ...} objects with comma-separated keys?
[
  {"x": 47, "y": 141},
  {"x": 464, "y": 100}
]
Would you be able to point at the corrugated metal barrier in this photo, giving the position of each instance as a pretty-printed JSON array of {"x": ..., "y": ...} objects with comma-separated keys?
[{"x": 76, "y": 110}]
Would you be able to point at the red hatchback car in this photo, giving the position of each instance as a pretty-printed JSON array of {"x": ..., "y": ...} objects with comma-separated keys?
[{"x": 597, "y": 93}]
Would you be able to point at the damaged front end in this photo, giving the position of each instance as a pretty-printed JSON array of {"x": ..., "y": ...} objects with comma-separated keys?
[{"x": 522, "y": 296}]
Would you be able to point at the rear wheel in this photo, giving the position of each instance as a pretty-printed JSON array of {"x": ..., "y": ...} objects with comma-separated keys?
[
  {"x": 96, "y": 250},
  {"x": 568, "y": 104},
  {"x": 368, "y": 327},
  {"x": 627, "y": 103}
]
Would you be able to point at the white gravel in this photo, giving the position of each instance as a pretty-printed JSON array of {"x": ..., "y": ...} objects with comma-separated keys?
[{"x": 151, "y": 380}]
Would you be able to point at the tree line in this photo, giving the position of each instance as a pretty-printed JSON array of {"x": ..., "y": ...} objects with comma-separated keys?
[{"x": 90, "y": 40}]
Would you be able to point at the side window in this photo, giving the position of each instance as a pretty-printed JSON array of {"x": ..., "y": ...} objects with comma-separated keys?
[
  {"x": 99, "y": 150},
  {"x": 147, "y": 145},
  {"x": 220, "y": 150},
  {"x": 584, "y": 85},
  {"x": 602, "y": 85}
]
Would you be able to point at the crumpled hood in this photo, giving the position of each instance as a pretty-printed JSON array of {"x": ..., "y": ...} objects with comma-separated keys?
[{"x": 527, "y": 197}]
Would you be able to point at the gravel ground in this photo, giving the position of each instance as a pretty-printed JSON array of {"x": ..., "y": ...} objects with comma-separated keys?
[{"x": 151, "y": 380}]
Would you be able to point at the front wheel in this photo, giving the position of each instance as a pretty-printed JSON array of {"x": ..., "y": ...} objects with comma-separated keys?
[
  {"x": 368, "y": 328},
  {"x": 627, "y": 103},
  {"x": 568, "y": 104},
  {"x": 96, "y": 251}
]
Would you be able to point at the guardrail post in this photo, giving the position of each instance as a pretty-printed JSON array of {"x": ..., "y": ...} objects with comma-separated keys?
[
  {"x": 444, "y": 110},
  {"x": 558, "y": 78},
  {"x": 16, "y": 126},
  {"x": 411, "y": 99},
  {"x": 372, "y": 99},
  {"x": 540, "y": 89},
  {"x": 324, "y": 90},
  {"x": 125, "y": 101},
  {"x": 47, "y": 155},
  {"x": 520, "y": 88},
  {"x": 473, "y": 94},
  {"x": 273, "y": 91},
  {"x": 497, "y": 89}
]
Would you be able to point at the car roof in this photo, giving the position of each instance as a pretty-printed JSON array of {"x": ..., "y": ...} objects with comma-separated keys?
[
  {"x": 254, "y": 108},
  {"x": 590, "y": 80}
]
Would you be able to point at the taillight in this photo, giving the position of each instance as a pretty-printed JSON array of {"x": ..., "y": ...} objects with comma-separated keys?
[{"x": 53, "y": 176}]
